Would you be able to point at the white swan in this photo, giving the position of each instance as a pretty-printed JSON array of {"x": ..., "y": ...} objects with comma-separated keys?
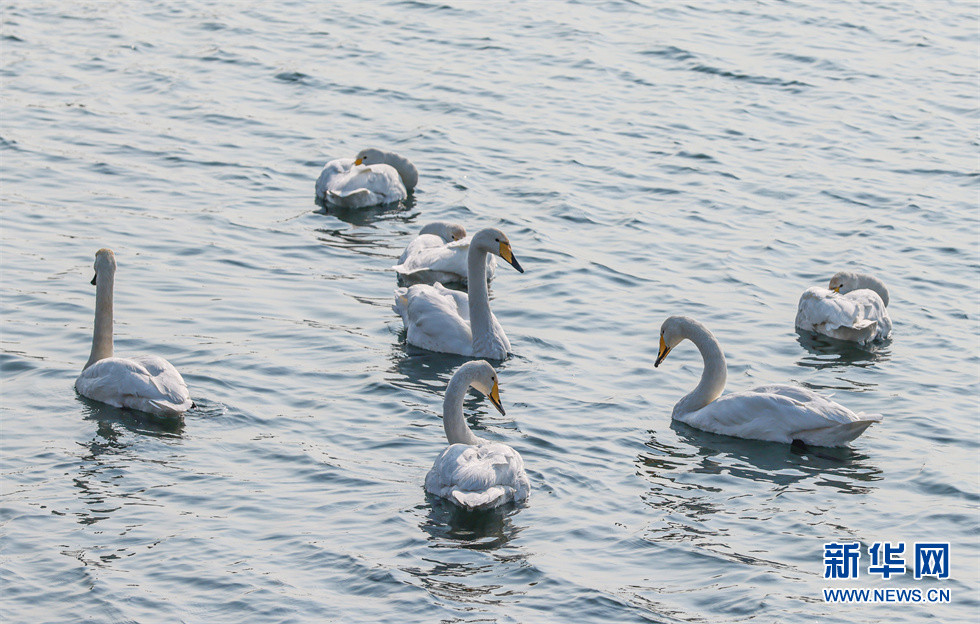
[
  {"x": 147, "y": 383},
  {"x": 440, "y": 319},
  {"x": 775, "y": 413},
  {"x": 374, "y": 177},
  {"x": 438, "y": 254},
  {"x": 472, "y": 472},
  {"x": 853, "y": 308}
]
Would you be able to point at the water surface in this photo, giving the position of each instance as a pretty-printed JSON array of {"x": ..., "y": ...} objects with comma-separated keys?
[{"x": 645, "y": 159}]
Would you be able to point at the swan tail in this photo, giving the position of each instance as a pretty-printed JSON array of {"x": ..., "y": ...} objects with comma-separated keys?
[
  {"x": 838, "y": 435},
  {"x": 487, "y": 499},
  {"x": 861, "y": 331},
  {"x": 402, "y": 270},
  {"x": 165, "y": 408},
  {"x": 401, "y": 304},
  {"x": 357, "y": 198}
]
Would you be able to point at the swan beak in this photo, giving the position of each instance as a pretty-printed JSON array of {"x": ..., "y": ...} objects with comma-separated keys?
[
  {"x": 495, "y": 399},
  {"x": 358, "y": 161},
  {"x": 94, "y": 277},
  {"x": 508, "y": 255},
  {"x": 664, "y": 350},
  {"x": 836, "y": 290}
]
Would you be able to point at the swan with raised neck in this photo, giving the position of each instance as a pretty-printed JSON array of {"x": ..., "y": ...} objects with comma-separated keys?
[
  {"x": 146, "y": 383},
  {"x": 104, "y": 280},
  {"x": 485, "y": 338},
  {"x": 715, "y": 373},
  {"x": 774, "y": 413},
  {"x": 472, "y": 472},
  {"x": 431, "y": 325},
  {"x": 480, "y": 375}
]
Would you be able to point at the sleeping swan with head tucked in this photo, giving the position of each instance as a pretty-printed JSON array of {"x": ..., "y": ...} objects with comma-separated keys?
[
  {"x": 372, "y": 178},
  {"x": 472, "y": 472},
  {"x": 775, "y": 413},
  {"x": 145, "y": 382},
  {"x": 851, "y": 308},
  {"x": 438, "y": 254}
]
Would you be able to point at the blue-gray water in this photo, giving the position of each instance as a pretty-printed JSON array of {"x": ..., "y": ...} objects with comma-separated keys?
[{"x": 645, "y": 158}]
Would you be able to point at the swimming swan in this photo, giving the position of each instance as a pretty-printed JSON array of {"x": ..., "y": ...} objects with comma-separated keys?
[
  {"x": 374, "y": 177},
  {"x": 449, "y": 321},
  {"x": 472, "y": 472},
  {"x": 775, "y": 413},
  {"x": 147, "y": 383},
  {"x": 438, "y": 254},
  {"x": 852, "y": 309}
]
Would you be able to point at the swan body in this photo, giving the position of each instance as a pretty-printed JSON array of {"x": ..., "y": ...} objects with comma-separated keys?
[
  {"x": 472, "y": 472},
  {"x": 147, "y": 383},
  {"x": 373, "y": 178},
  {"x": 448, "y": 321},
  {"x": 774, "y": 413},
  {"x": 438, "y": 254},
  {"x": 852, "y": 308}
]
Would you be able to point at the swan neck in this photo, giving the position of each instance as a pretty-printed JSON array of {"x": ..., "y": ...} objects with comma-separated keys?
[
  {"x": 457, "y": 431},
  {"x": 873, "y": 283},
  {"x": 102, "y": 335},
  {"x": 479, "y": 297},
  {"x": 406, "y": 170},
  {"x": 714, "y": 375}
]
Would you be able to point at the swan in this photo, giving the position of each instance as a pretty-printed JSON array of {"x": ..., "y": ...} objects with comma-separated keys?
[
  {"x": 147, "y": 383},
  {"x": 851, "y": 308},
  {"x": 373, "y": 177},
  {"x": 775, "y": 413},
  {"x": 438, "y": 254},
  {"x": 440, "y": 319},
  {"x": 472, "y": 472}
]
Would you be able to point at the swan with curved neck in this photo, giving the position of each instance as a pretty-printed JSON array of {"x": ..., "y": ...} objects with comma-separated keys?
[
  {"x": 449, "y": 321},
  {"x": 472, "y": 472},
  {"x": 775, "y": 413},
  {"x": 146, "y": 383},
  {"x": 373, "y": 178},
  {"x": 851, "y": 308},
  {"x": 438, "y": 254}
]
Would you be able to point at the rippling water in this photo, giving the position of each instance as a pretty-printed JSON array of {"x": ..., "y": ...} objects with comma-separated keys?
[{"x": 645, "y": 159}]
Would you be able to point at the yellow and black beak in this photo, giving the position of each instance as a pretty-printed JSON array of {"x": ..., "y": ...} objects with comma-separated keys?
[
  {"x": 836, "y": 290},
  {"x": 495, "y": 398},
  {"x": 358, "y": 161},
  {"x": 664, "y": 350},
  {"x": 507, "y": 254},
  {"x": 94, "y": 277}
]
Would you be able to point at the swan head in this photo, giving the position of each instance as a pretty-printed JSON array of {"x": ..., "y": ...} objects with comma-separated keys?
[
  {"x": 844, "y": 282},
  {"x": 482, "y": 377},
  {"x": 370, "y": 156},
  {"x": 448, "y": 232},
  {"x": 673, "y": 331},
  {"x": 105, "y": 263},
  {"x": 492, "y": 240},
  {"x": 406, "y": 170}
]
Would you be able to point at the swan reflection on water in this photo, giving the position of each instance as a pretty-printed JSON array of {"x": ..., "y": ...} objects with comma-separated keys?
[
  {"x": 827, "y": 352},
  {"x": 402, "y": 211},
  {"x": 468, "y": 554},
  {"x": 108, "y": 418},
  {"x": 449, "y": 525},
  {"x": 843, "y": 468}
]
